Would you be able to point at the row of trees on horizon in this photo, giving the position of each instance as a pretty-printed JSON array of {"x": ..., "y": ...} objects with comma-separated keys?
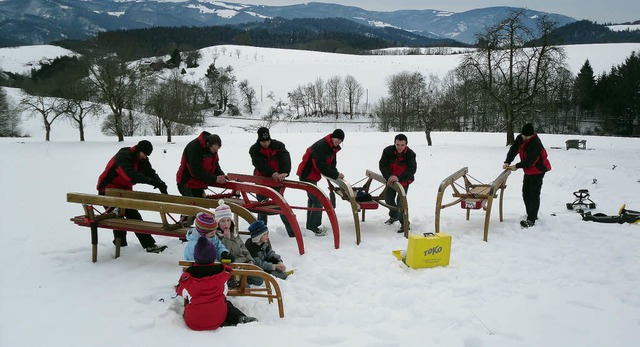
[{"x": 496, "y": 88}]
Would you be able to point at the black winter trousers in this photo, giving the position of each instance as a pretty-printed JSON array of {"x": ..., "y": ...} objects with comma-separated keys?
[
  {"x": 146, "y": 240},
  {"x": 233, "y": 315},
  {"x": 531, "y": 186}
]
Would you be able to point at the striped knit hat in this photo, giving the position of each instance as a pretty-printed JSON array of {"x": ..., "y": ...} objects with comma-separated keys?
[
  {"x": 223, "y": 210},
  {"x": 205, "y": 223}
]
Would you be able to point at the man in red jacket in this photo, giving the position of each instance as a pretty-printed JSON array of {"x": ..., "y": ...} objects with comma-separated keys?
[
  {"x": 320, "y": 159},
  {"x": 199, "y": 167},
  {"x": 397, "y": 164},
  {"x": 534, "y": 162},
  {"x": 130, "y": 166},
  {"x": 270, "y": 158}
]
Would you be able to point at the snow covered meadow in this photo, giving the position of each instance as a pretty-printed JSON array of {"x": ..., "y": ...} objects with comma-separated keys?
[{"x": 564, "y": 282}]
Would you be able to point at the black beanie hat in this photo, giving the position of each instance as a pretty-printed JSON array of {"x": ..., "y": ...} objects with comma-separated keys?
[
  {"x": 263, "y": 134},
  {"x": 145, "y": 147},
  {"x": 338, "y": 134},
  {"x": 527, "y": 129},
  {"x": 214, "y": 139}
]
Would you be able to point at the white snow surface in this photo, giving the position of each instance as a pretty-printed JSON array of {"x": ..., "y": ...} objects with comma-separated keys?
[{"x": 564, "y": 282}]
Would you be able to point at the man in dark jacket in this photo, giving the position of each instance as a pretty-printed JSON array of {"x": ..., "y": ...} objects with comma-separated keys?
[
  {"x": 534, "y": 162},
  {"x": 199, "y": 167},
  {"x": 320, "y": 159},
  {"x": 270, "y": 158},
  {"x": 397, "y": 164},
  {"x": 130, "y": 166}
]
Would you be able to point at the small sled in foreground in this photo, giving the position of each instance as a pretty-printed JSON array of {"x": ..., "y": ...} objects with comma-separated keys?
[{"x": 582, "y": 201}]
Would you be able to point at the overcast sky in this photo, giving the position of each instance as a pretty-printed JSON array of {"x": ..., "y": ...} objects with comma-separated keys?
[{"x": 601, "y": 11}]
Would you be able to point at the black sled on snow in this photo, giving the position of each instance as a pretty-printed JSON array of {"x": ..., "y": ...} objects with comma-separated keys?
[
  {"x": 582, "y": 201},
  {"x": 624, "y": 216}
]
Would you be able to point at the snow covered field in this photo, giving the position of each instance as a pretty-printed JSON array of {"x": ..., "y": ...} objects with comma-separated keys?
[{"x": 564, "y": 282}]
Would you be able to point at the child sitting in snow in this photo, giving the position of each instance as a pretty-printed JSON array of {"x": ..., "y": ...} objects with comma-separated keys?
[
  {"x": 260, "y": 249},
  {"x": 204, "y": 285},
  {"x": 231, "y": 240},
  {"x": 205, "y": 225}
]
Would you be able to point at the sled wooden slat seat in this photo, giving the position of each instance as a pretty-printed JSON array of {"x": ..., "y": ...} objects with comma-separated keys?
[
  {"x": 167, "y": 226},
  {"x": 472, "y": 196},
  {"x": 346, "y": 192},
  {"x": 210, "y": 204},
  {"x": 241, "y": 271}
]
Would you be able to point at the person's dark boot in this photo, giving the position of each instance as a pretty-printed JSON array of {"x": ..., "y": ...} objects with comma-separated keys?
[{"x": 246, "y": 319}]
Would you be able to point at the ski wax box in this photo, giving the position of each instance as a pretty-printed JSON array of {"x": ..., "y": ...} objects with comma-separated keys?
[{"x": 428, "y": 250}]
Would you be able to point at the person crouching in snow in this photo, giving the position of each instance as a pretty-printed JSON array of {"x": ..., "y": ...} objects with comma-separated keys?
[
  {"x": 260, "y": 249},
  {"x": 205, "y": 225},
  {"x": 230, "y": 239},
  {"x": 204, "y": 285}
]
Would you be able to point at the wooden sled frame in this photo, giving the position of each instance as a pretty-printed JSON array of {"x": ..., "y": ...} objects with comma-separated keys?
[
  {"x": 472, "y": 194},
  {"x": 345, "y": 191},
  {"x": 238, "y": 211},
  {"x": 244, "y": 189},
  {"x": 242, "y": 271},
  {"x": 167, "y": 227}
]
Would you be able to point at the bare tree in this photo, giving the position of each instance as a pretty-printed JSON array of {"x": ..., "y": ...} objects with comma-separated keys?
[
  {"x": 248, "y": 95},
  {"x": 320, "y": 95},
  {"x": 116, "y": 85},
  {"x": 172, "y": 102},
  {"x": 353, "y": 92},
  {"x": 510, "y": 70},
  {"x": 46, "y": 107},
  {"x": 406, "y": 91},
  {"x": 76, "y": 105},
  {"x": 334, "y": 94}
]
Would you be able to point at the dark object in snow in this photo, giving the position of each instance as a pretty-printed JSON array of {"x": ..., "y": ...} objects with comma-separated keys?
[
  {"x": 624, "y": 216},
  {"x": 582, "y": 200}
]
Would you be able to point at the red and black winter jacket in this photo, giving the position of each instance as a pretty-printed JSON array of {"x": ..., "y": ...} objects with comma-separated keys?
[
  {"x": 533, "y": 156},
  {"x": 198, "y": 167},
  {"x": 205, "y": 286},
  {"x": 126, "y": 169},
  {"x": 274, "y": 158},
  {"x": 319, "y": 159},
  {"x": 403, "y": 164}
]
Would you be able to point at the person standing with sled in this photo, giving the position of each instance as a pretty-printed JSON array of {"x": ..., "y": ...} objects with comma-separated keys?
[
  {"x": 125, "y": 169},
  {"x": 397, "y": 164},
  {"x": 320, "y": 159},
  {"x": 199, "y": 167},
  {"x": 270, "y": 158},
  {"x": 534, "y": 163}
]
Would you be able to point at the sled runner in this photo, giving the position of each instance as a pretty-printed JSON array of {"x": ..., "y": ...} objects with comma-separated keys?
[
  {"x": 361, "y": 198},
  {"x": 582, "y": 200},
  {"x": 624, "y": 216},
  {"x": 96, "y": 216},
  {"x": 241, "y": 272},
  {"x": 472, "y": 196},
  {"x": 244, "y": 190}
]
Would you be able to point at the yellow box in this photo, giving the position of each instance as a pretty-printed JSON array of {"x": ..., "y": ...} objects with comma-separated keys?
[{"x": 428, "y": 250}]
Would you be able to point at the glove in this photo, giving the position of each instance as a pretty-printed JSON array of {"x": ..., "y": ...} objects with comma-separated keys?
[
  {"x": 163, "y": 188},
  {"x": 226, "y": 255},
  {"x": 158, "y": 183}
]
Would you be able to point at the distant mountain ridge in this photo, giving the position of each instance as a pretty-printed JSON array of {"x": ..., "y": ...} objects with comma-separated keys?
[{"x": 26, "y": 22}]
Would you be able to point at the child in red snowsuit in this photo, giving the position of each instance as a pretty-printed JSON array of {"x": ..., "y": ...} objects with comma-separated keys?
[{"x": 205, "y": 285}]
